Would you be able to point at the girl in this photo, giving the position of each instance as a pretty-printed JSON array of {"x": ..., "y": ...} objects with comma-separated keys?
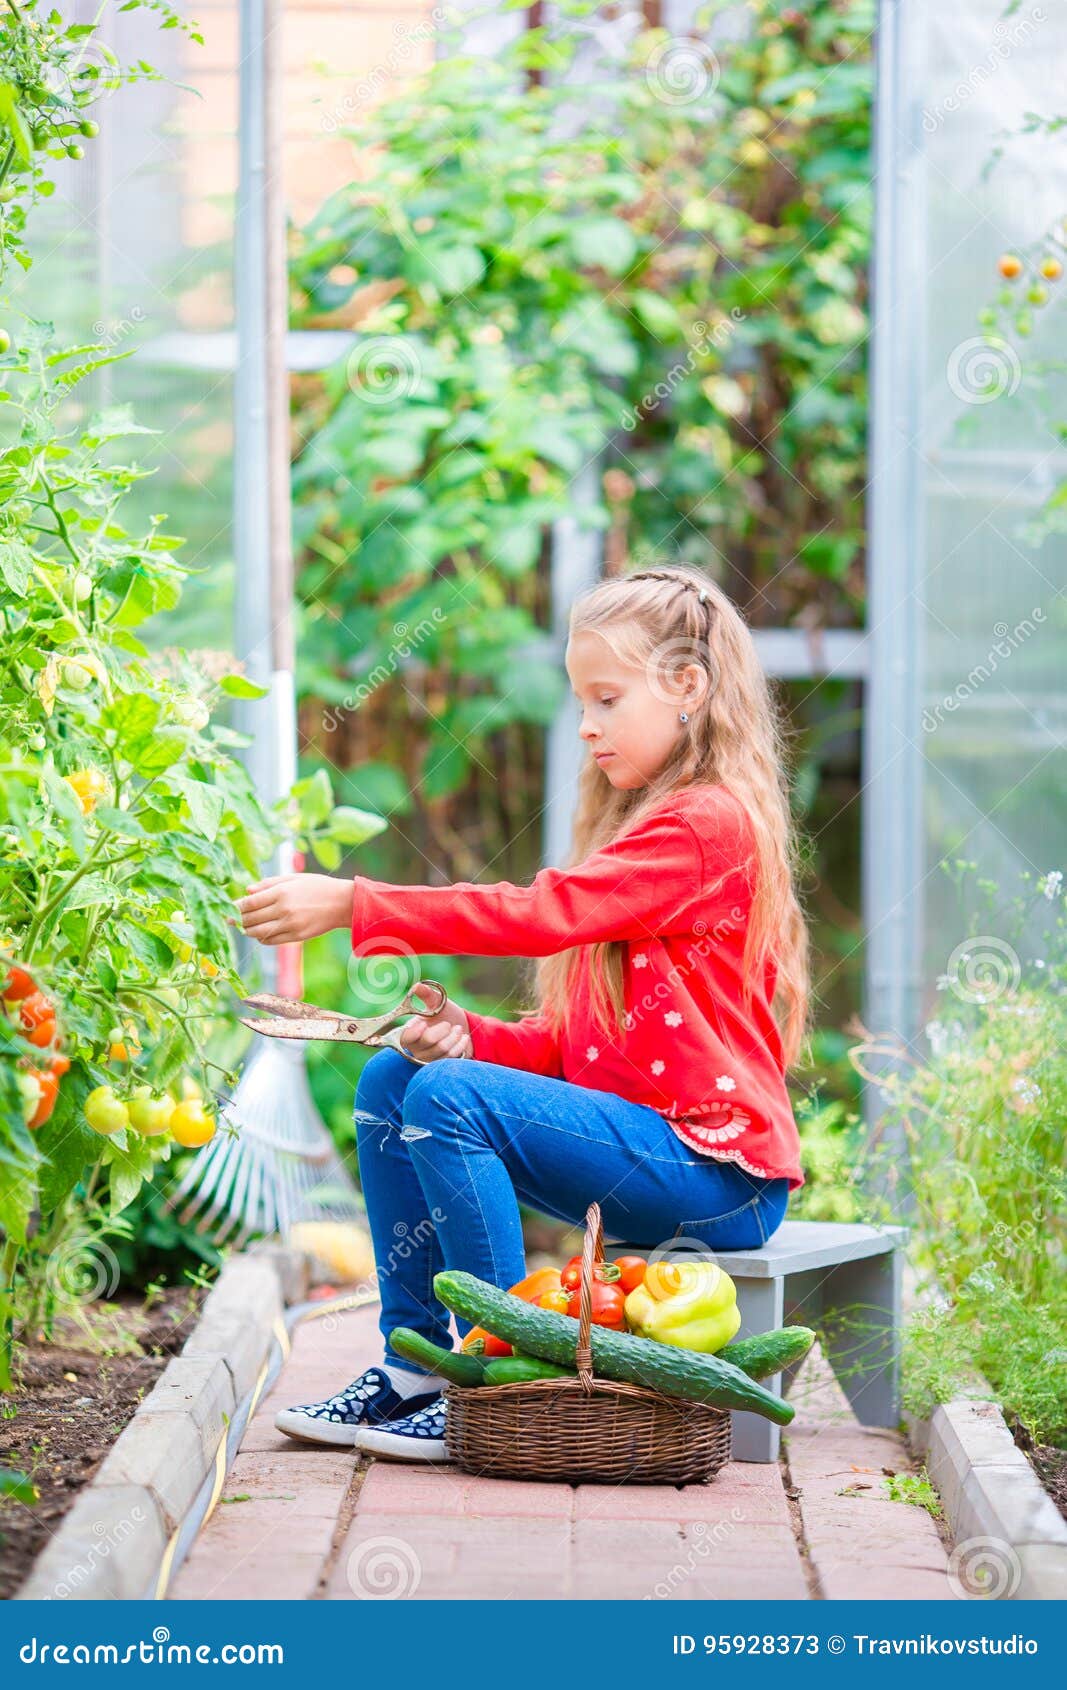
[{"x": 672, "y": 984}]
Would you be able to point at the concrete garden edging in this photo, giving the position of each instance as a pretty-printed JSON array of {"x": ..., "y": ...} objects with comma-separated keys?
[
  {"x": 1010, "y": 1538},
  {"x": 119, "y": 1539}
]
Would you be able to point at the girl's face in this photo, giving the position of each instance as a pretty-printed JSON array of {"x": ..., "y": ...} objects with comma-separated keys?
[{"x": 629, "y": 717}]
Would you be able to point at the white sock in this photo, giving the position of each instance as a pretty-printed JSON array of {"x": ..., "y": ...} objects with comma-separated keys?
[{"x": 410, "y": 1384}]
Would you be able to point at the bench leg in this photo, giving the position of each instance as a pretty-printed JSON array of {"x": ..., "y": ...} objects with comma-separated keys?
[
  {"x": 861, "y": 1334},
  {"x": 752, "y": 1437}
]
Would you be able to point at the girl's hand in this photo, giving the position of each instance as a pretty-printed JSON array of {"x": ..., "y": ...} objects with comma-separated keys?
[
  {"x": 430, "y": 1037},
  {"x": 289, "y": 907}
]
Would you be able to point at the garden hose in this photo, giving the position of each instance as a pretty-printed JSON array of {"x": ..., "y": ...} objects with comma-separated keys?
[{"x": 207, "y": 1497}]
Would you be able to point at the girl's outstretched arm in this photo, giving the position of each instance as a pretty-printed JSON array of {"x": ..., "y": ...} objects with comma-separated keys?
[{"x": 636, "y": 887}]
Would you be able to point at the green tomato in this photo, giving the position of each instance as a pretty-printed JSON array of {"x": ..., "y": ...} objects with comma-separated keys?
[
  {"x": 37, "y": 742},
  {"x": 1037, "y": 295},
  {"x": 31, "y": 1096},
  {"x": 150, "y": 1115},
  {"x": 75, "y": 676},
  {"x": 7, "y": 193},
  {"x": 105, "y": 1112},
  {"x": 75, "y": 151},
  {"x": 5, "y": 342},
  {"x": 190, "y": 711},
  {"x": 88, "y": 127},
  {"x": 83, "y": 587}
]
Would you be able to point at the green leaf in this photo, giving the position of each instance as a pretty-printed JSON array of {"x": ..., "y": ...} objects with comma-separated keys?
[
  {"x": 349, "y": 826},
  {"x": 16, "y": 565},
  {"x": 18, "y": 1487},
  {"x": 239, "y": 686},
  {"x": 604, "y": 242},
  {"x": 327, "y": 851},
  {"x": 132, "y": 715},
  {"x": 314, "y": 797},
  {"x": 206, "y": 805},
  {"x": 160, "y": 751}
]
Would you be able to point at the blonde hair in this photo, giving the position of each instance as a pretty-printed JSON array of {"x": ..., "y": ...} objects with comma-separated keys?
[{"x": 662, "y": 619}]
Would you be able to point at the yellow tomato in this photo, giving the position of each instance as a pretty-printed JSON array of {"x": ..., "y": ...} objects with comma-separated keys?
[
  {"x": 191, "y": 1125},
  {"x": 208, "y": 968},
  {"x": 87, "y": 785}
]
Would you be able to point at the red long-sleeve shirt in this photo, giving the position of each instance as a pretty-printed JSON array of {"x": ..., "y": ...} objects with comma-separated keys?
[{"x": 689, "y": 1048}]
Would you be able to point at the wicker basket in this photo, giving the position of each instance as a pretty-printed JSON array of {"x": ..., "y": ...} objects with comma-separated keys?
[{"x": 585, "y": 1430}]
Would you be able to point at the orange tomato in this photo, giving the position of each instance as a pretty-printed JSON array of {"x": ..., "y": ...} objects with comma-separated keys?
[
  {"x": 1010, "y": 266},
  {"x": 47, "y": 1093},
  {"x": 38, "y": 1016}
]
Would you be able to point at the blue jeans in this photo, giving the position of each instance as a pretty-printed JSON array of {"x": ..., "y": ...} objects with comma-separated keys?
[{"x": 448, "y": 1150}]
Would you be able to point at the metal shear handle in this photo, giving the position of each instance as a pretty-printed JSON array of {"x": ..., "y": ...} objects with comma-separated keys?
[{"x": 288, "y": 1018}]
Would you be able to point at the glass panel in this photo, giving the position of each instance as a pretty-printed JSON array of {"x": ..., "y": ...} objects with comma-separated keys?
[
  {"x": 135, "y": 251},
  {"x": 994, "y": 695}
]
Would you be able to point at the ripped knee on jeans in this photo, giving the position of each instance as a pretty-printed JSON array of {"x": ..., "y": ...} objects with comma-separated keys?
[{"x": 410, "y": 1131}]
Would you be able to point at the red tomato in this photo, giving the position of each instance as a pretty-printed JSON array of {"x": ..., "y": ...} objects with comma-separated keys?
[
  {"x": 571, "y": 1277},
  {"x": 631, "y": 1272},
  {"x": 59, "y": 1064},
  {"x": 609, "y": 1306},
  {"x": 19, "y": 985}
]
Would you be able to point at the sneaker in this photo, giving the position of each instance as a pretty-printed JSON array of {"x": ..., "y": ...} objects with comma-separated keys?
[
  {"x": 417, "y": 1436},
  {"x": 369, "y": 1399}
]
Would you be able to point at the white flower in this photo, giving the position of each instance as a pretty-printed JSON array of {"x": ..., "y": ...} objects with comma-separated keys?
[
  {"x": 658, "y": 1067},
  {"x": 673, "y": 1018},
  {"x": 592, "y": 1053},
  {"x": 724, "y": 1083},
  {"x": 640, "y": 960},
  {"x": 1052, "y": 883}
]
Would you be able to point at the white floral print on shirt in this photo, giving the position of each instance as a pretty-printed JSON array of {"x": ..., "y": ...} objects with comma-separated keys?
[
  {"x": 592, "y": 1053},
  {"x": 640, "y": 960},
  {"x": 673, "y": 1018},
  {"x": 724, "y": 1083},
  {"x": 658, "y": 1067}
]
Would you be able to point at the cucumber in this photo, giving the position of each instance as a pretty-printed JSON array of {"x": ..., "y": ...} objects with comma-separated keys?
[
  {"x": 453, "y": 1365},
  {"x": 616, "y": 1355},
  {"x": 519, "y": 1370},
  {"x": 769, "y": 1352}
]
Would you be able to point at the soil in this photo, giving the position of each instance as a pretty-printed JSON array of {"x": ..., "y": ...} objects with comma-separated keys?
[
  {"x": 73, "y": 1397},
  {"x": 1050, "y": 1465}
]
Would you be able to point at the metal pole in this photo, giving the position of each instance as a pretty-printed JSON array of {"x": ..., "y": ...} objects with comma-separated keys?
[
  {"x": 892, "y": 831},
  {"x": 262, "y": 540}
]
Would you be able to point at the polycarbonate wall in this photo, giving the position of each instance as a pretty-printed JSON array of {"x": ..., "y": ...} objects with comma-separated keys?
[
  {"x": 991, "y": 612},
  {"x": 135, "y": 250}
]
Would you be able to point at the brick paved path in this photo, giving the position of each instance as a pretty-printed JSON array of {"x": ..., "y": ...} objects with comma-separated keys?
[{"x": 299, "y": 1521}]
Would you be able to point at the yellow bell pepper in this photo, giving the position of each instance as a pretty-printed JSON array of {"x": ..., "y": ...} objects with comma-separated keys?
[{"x": 690, "y": 1304}]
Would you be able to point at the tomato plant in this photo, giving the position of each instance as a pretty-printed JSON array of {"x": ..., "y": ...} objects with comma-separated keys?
[{"x": 128, "y": 824}]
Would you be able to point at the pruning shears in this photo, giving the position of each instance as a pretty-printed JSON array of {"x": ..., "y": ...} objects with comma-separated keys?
[{"x": 288, "y": 1018}]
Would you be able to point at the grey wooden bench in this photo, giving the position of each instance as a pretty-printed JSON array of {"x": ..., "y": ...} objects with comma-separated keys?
[{"x": 843, "y": 1280}]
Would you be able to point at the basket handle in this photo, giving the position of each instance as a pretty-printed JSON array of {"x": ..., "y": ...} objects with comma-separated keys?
[{"x": 592, "y": 1256}]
